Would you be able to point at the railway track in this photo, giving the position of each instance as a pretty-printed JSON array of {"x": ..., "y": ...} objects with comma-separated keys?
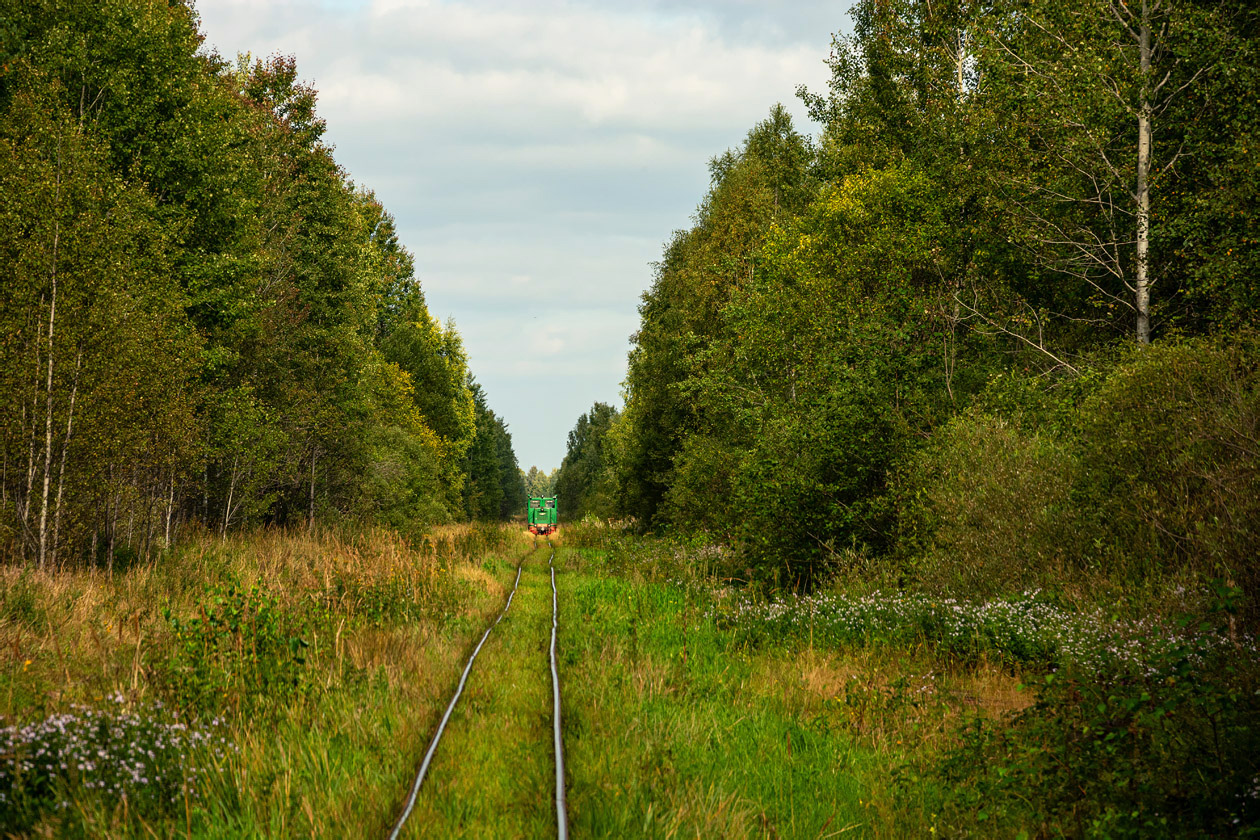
[{"x": 562, "y": 820}]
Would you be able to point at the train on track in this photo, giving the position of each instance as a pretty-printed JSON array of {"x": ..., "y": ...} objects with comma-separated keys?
[{"x": 543, "y": 515}]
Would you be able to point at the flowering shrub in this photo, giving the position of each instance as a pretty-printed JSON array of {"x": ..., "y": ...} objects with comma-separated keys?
[
  {"x": 145, "y": 756},
  {"x": 1028, "y": 629}
]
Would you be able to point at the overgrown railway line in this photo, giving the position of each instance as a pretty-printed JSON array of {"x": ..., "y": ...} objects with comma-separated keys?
[{"x": 562, "y": 823}]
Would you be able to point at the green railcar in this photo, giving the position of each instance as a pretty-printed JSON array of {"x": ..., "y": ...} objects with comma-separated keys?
[{"x": 543, "y": 515}]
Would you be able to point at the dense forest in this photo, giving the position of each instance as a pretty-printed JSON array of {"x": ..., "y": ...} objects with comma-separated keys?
[
  {"x": 206, "y": 323},
  {"x": 994, "y": 326}
]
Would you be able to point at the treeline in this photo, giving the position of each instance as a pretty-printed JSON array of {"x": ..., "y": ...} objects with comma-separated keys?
[
  {"x": 539, "y": 483},
  {"x": 205, "y": 321},
  {"x": 996, "y": 321}
]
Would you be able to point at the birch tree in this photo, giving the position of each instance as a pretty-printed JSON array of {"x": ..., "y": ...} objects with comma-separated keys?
[
  {"x": 93, "y": 369},
  {"x": 1078, "y": 92}
]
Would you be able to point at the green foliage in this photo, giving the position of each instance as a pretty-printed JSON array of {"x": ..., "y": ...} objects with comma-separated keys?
[
  {"x": 986, "y": 508},
  {"x": 584, "y": 483},
  {"x": 1144, "y": 468},
  {"x": 495, "y": 488},
  {"x": 241, "y": 652},
  {"x": 765, "y": 181},
  {"x": 97, "y": 364},
  {"x": 1170, "y": 451},
  {"x": 813, "y": 423},
  {"x": 1168, "y": 753},
  {"x": 217, "y": 325},
  {"x": 538, "y": 483}
]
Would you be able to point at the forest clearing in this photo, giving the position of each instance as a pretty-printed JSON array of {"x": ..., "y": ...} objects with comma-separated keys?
[{"x": 930, "y": 506}]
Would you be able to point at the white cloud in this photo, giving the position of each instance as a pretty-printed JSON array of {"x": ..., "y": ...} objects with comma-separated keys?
[{"x": 537, "y": 155}]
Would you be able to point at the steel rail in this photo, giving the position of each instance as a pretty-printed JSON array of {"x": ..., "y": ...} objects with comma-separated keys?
[
  {"x": 437, "y": 736},
  {"x": 562, "y": 815}
]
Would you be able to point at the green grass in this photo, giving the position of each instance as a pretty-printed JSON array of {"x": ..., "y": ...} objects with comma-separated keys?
[
  {"x": 669, "y": 733},
  {"x": 493, "y": 773},
  {"x": 680, "y": 720}
]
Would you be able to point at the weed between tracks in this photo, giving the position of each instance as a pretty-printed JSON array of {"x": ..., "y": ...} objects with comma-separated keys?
[{"x": 493, "y": 773}]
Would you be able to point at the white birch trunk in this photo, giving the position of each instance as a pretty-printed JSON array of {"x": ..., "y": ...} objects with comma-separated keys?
[
  {"x": 48, "y": 394},
  {"x": 65, "y": 447},
  {"x": 1142, "y": 281},
  {"x": 170, "y": 507},
  {"x": 227, "y": 508}
]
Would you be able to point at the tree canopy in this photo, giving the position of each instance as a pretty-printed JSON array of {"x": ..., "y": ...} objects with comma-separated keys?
[{"x": 206, "y": 321}]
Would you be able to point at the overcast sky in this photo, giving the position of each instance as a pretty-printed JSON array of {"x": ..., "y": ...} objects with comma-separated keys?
[{"x": 537, "y": 155}]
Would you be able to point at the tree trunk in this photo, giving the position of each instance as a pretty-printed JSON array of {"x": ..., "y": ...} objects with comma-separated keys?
[
  {"x": 1142, "y": 282},
  {"x": 48, "y": 393},
  {"x": 170, "y": 507},
  {"x": 310, "y": 517},
  {"x": 65, "y": 447},
  {"x": 227, "y": 508},
  {"x": 113, "y": 521}
]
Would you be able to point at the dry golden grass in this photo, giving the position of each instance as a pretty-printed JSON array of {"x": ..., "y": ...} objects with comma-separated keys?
[
  {"x": 889, "y": 699},
  {"x": 78, "y": 634},
  {"x": 330, "y": 762}
]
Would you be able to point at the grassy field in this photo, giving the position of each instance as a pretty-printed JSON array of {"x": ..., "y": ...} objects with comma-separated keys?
[
  {"x": 678, "y": 727},
  {"x": 311, "y": 670},
  {"x": 287, "y": 684}
]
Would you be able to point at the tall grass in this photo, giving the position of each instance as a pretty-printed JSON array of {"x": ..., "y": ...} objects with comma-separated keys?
[{"x": 326, "y": 654}]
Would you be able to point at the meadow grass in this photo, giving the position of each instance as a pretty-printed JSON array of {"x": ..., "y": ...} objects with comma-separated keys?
[
  {"x": 694, "y": 706},
  {"x": 368, "y": 631},
  {"x": 909, "y": 713},
  {"x": 677, "y": 727}
]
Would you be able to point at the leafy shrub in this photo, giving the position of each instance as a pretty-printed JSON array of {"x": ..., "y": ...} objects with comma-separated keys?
[
  {"x": 813, "y": 484},
  {"x": 145, "y": 756},
  {"x": 239, "y": 651},
  {"x": 1170, "y": 461},
  {"x": 701, "y": 492},
  {"x": 1148, "y": 467},
  {"x": 1170, "y": 752},
  {"x": 405, "y": 595},
  {"x": 989, "y": 507}
]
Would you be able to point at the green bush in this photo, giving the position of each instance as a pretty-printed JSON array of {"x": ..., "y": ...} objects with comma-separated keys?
[
  {"x": 240, "y": 652},
  {"x": 1171, "y": 752},
  {"x": 701, "y": 493},
  {"x": 1145, "y": 468},
  {"x": 987, "y": 507},
  {"x": 1170, "y": 461}
]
